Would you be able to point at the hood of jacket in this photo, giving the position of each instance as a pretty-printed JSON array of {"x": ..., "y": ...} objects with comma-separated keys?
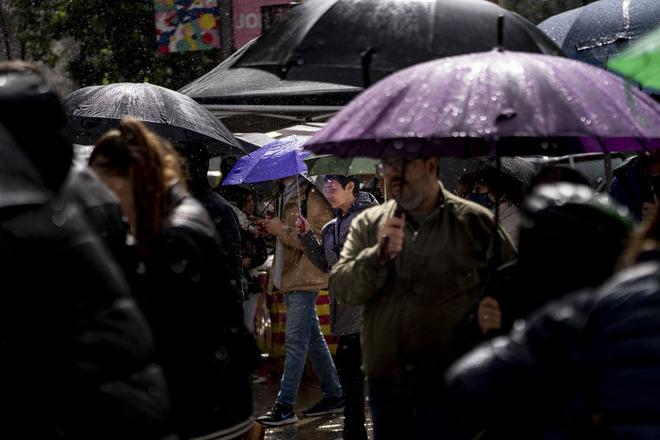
[
  {"x": 32, "y": 113},
  {"x": 20, "y": 181}
]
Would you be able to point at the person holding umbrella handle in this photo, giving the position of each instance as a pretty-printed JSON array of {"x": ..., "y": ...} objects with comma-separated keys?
[{"x": 417, "y": 264}]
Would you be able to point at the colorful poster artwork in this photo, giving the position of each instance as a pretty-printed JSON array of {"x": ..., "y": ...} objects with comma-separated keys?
[
  {"x": 247, "y": 19},
  {"x": 186, "y": 25}
]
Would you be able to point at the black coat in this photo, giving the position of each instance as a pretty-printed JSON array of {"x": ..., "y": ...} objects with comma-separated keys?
[
  {"x": 75, "y": 352},
  {"x": 103, "y": 212},
  {"x": 226, "y": 224},
  {"x": 586, "y": 366},
  {"x": 206, "y": 351}
]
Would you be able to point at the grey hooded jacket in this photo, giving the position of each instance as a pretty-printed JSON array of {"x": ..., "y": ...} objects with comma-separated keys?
[{"x": 344, "y": 319}]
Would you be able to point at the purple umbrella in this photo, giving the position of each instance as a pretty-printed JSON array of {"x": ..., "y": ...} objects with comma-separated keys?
[{"x": 471, "y": 105}]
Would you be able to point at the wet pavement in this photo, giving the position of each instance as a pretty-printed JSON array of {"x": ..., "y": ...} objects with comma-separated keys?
[{"x": 313, "y": 428}]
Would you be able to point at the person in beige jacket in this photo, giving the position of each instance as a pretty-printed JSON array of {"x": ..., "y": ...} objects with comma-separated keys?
[{"x": 296, "y": 276}]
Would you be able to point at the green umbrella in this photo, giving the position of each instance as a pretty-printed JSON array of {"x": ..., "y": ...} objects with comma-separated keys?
[
  {"x": 349, "y": 166},
  {"x": 641, "y": 61}
]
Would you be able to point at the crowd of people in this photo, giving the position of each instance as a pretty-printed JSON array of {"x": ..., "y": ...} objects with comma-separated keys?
[{"x": 522, "y": 306}]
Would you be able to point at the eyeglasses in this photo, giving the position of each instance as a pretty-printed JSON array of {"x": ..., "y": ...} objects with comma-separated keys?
[{"x": 388, "y": 165}]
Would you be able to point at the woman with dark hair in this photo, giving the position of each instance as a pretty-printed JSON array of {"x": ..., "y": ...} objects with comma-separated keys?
[{"x": 196, "y": 319}]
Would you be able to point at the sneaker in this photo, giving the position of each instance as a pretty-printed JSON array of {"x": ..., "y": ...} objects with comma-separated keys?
[
  {"x": 281, "y": 414},
  {"x": 326, "y": 406}
]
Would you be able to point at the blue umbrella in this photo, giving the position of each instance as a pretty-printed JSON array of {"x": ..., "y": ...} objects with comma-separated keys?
[
  {"x": 276, "y": 160},
  {"x": 601, "y": 30},
  {"x": 279, "y": 159}
]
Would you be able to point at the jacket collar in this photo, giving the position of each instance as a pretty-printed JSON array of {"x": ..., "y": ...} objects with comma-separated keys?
[{"x": 363, "y": 201}]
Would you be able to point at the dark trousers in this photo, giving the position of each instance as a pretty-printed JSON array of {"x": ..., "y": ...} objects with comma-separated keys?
[
  {"x": 348, "y": 361},
  {"x": 411, "y": 410}
]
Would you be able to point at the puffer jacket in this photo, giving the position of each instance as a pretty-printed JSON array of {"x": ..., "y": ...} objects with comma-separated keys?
[
  {"x": 344, "y": 319},
  {"x": 585, "y": 366},
  {"x": 76, "y": 353},
  {"x": 206, "y": 352}
]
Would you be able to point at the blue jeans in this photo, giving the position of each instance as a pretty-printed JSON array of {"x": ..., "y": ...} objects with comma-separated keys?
[{"x": 303, "y": 334}]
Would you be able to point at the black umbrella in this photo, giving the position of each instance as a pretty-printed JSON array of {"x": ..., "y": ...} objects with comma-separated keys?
[
  {"x": 517, "y": 168},
  {"x": 253, "y": 141},
  {"x": 355, "y": 42},
  {"x": 451, "y": 169},
  {"x": 601, "y": 30},
  {"x": 94, "y": 110},
  {"x": 252, "y": 100},
  {"x": 256, "y": 90}
]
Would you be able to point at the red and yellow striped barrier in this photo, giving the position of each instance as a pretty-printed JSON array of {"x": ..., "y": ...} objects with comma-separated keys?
[{"x": 278, "y": 322}]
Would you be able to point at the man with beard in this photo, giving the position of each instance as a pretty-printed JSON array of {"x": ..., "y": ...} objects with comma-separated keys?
[{"x": 418, "y": 264}]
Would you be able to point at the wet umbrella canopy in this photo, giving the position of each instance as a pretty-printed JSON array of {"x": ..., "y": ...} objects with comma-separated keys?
[
  {"x": 356, "y": 42},
  {"x": 94, "y": 110},
  {"x": 253, "y": 89},
  {"x": 346, "y": 166},
  {"x": 511, "y": 102},
  {"x": 517, "y": 168},
  {"x": 279, "y": 159},
  {"x": 601, "y": 30}
]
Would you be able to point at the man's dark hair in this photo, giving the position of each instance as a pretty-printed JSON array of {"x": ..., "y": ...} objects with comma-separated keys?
[{"x": 345, "y": 180}]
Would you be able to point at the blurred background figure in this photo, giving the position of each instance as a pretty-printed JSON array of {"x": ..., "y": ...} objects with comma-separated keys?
[
  {"x": 196, "y": 316},
  {"x": 557, "y": 173},
  {"x": 253, "y": 248},
  {"x": 505, "y": 188},
  {"x": 570, "y": 238},
  {"x": 77, "y": 354},
  {"x": 583, "y": 366},
  {"x": 375, "y": 188},
  {"x": 222, "y": 215},
  {"x": 636, "y": 185}
]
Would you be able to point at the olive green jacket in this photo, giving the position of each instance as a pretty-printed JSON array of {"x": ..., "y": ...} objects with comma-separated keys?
[{"x": 413, "y": 304}]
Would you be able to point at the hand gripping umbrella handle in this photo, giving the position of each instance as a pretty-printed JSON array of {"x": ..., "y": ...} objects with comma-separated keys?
[{"x": 398, "y": 212}]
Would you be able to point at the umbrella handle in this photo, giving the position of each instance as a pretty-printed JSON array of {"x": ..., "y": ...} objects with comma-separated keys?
[{"x": 298, "y": 194}]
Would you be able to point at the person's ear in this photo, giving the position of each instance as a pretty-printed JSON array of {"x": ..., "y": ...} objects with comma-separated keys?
[
  {"x": 350, "y": 186},
  {"x": 432, "y": 166}
]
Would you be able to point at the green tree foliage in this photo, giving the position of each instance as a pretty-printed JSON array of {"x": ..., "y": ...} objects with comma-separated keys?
[{"x": 106, "y": 42}]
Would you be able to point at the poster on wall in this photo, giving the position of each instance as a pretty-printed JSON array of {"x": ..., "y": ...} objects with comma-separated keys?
[
  {"x": 186, "y": 25},
  {"x": 248, "y": 20}
]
